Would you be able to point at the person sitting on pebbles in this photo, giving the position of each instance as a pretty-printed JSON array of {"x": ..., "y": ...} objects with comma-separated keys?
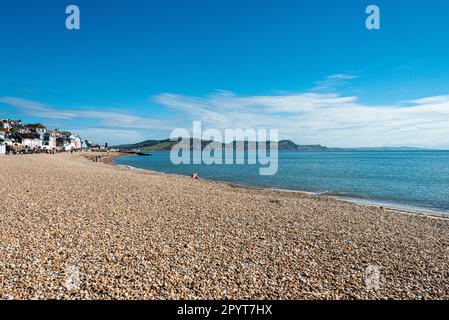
[{"x": 195, "y": 175}]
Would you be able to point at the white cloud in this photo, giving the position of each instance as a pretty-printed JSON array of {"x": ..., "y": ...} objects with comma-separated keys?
[{"x": 328, "y": 119}]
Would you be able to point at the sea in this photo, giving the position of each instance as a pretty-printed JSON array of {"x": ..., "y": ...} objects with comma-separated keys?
[{"x": 409, "y": 180}]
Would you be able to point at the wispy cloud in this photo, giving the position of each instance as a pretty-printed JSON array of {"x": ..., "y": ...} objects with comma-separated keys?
[
  {"x": 105, "y": 118},
  {"x": 430, "y": 100},
  {"x": 333, "y": 82}
]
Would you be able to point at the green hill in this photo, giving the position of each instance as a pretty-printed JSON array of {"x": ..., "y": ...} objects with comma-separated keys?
[{"x": 166, "y": 145}]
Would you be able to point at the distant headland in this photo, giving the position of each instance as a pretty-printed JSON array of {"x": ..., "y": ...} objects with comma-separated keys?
[{"x": 283, "y": 145}]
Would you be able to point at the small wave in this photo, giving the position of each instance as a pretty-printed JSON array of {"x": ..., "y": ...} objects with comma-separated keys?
[
  {"x": 128, "y": 167},
  {"x": 333, "y": 193},
  {"x": 395, "y": 206}
]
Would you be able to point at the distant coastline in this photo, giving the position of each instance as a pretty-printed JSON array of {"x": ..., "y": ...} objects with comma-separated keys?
[{"x": 283, "y": 145}]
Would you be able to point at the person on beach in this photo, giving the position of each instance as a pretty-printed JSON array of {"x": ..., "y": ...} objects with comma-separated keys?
[{"x": 195, "y": 175}]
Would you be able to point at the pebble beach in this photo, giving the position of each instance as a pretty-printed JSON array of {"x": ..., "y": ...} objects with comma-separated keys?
[{"x": 71, "y": 228}]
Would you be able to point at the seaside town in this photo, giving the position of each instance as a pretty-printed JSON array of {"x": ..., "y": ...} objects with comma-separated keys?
[{"x": 19, "y": 138}]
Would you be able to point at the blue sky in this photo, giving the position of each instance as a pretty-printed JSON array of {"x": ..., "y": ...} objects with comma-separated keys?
[{"x": 138, "y": 69}]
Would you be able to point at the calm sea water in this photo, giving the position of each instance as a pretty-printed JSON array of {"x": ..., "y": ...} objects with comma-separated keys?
[{"x": 416, "y": 180}]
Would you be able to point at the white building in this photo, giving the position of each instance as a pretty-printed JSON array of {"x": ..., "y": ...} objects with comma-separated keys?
[
  {"x": 4, "y": 124},
  {"x": 29, "y": 140},
  {"x": 49, "y": 141},
  {"x": 73, "y": 142},
  {"x": 76, "y": 142},
  {"x": 2, "y": 143},
  {"x": 8, "y": 124}
]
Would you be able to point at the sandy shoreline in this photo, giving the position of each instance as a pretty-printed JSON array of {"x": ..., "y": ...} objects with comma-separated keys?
[{"x": 72, "y": 228}]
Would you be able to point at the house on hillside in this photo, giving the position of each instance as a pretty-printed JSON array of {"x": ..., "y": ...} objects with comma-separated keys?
[
  {"x": 49, "y": 141},
  {"x": 76, "y": 142},
  {"x": 37, "y": 128},
  {"x": 4, "y": 137},
  {"x": 4, "y": 124},
  {"x": 11, "y": 124},
  {"x": 67, "y": 141},
  {"x": 2, "y": 142},
  {"x": 28, "y": 140},
  {"x": 63, "y": 140}
]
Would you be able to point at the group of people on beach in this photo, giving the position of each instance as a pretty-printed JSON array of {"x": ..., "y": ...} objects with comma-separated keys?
[{"x": 13, "y": 150}]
